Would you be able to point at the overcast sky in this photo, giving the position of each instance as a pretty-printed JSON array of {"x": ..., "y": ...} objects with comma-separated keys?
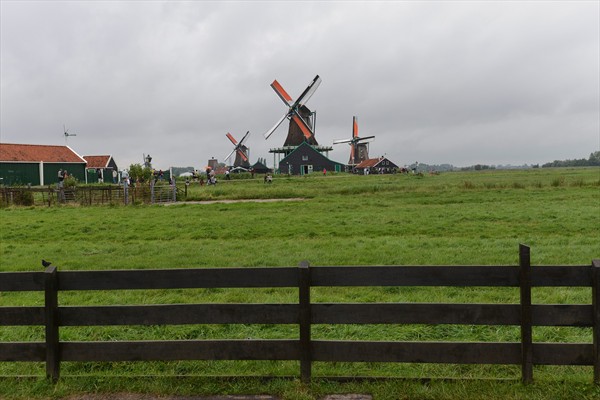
[{"x": 436, "y": 82}]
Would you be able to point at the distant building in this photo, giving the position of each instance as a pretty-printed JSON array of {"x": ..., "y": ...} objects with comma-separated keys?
[
  {"x": 100, "y": 168},
  {"x": 38, "y": 165},
  {"x": 379, "y": 165},
  {"x": 305, "y": 159},
  {"x": 213, "y": 164},
  {"x": 260, "y": 168}
]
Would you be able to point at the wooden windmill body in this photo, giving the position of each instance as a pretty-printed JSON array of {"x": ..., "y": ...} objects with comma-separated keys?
[
  {"x": 302, "y": 127},
  {"x": 359, "y": 146},
  {"x": 361, "y": 153},
  {"x": 295, "y": 135},
  {"x": 242, "y": 152}
]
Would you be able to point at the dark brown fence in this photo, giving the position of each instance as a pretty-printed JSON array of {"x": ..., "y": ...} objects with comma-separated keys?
[
  {"x": 304, "y": 314},
  {"x": 88, "y": 195}
]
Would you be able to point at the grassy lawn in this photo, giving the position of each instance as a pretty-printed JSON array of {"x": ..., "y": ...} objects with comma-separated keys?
[{"x": 461, "y": 218}]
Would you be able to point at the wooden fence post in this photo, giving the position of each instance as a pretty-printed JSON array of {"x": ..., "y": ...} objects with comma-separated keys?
[
  {"x": 304, "y": 320},
  {"x": 596, "y": 319},
  {"x": 51, "y": 316},
  {"x": 526, "y": 319},
  {"x": 152, "y": 190}
]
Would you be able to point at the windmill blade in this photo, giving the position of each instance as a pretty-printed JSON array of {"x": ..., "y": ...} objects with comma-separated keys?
[
  {"x": 242, "y": 154},
  {"x": 342, "y": 141},
  {"x": 244, "y": 138},
  {"x": 231, "y": 138},
  {"x": 283, "y": 95},
  {"x": 362, "y": 139},
  {"x": 270, "y": 131},
  {"x": 309, "y": 91},
  {"x": 352, "y": 146},
  {"x": 230, "y": 154},
  {"x": 354, "y": 127},
  {"x": 302, "y": 125}
]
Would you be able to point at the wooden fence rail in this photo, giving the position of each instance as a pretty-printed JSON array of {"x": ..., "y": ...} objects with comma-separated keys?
[
  {"x": 526, "y": 353},
  {"x": 89, "y": 195}
]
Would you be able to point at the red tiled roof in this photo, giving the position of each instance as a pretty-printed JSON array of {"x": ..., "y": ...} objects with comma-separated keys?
[
  {"x": 370, "y": 163},
  {"x": 37, "y": 153},
  {"x": 97, "y": 161}
]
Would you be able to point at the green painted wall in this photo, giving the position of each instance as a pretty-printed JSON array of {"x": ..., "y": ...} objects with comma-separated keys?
[
  {"x": 51, "y": 172},
  {"x": 16, "y": 174}
]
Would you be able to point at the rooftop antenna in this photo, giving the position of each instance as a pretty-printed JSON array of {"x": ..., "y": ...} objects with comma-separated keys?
[{"x": 67, "y": 134}]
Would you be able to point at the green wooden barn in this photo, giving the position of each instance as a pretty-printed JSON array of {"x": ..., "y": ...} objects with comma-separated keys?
[
  {"x": 38, "y": 165},
  {"x": 306, "y": 159}
]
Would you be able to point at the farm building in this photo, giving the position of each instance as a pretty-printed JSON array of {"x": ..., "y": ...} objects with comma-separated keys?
[
  {"x": 100, "y": 168},
  {"x": 38, "y": 165},
  {"x": 379, "y": 165},
  {"x": 305, "y": 159},
  {"x": 260, "y": 168}
]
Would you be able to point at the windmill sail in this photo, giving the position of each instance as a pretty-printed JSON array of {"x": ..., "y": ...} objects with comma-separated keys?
[
  {"x": 240, "y": 150},
  {"x": 359, "y": 149},
  {"x": 301, "y": 128}
]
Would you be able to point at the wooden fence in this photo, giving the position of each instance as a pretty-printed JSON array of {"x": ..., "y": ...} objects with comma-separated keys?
[
  {"x": 88, "y": 195},
  {"x": 304, "y": 313}
]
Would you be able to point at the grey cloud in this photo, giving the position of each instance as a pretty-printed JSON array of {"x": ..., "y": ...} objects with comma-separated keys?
[{"x": 455, "y": 82}]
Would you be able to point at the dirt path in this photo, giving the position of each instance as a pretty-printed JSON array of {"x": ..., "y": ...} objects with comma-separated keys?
[
  {"x": 225, "y": 201},
  {"x": 132, "y": 396}
]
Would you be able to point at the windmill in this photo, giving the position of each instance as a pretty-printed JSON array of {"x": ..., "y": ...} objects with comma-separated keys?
[
  {"x": 359, "y": 150},
  {"x": 240, "y": 150},
  {"x": 67, "y": 134},
  {"x": 301, "y": 122}
]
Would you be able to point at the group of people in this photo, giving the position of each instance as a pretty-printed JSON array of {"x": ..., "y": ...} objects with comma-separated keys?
[
  {"x": 211, "y": 178},
  {"x": 158, "y": 175}
]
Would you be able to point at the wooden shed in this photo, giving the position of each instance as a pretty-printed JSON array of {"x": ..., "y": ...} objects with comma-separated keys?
[
  {"x": 100, "y": 169},
  {"x": 38, "y": 165}
]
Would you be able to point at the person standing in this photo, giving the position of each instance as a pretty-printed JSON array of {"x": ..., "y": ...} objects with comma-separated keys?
[
  {"x": 61, "y": 185},
  {"x": 61, "y": 178},
  {"x": 125, "y": 181}
]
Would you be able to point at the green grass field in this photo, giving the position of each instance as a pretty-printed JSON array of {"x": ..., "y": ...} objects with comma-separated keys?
[{"x": 460, "y": 218}]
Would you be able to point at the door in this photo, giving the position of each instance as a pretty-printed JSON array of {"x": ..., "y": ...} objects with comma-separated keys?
[{"x": 306, "y": 169}]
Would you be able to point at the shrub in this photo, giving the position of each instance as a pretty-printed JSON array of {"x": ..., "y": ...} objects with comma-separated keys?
[
  {"x": 560, "y": 181},
  {"x": 22, "y": 198},
  {"x": 578, "y": 182},
  {"x": 70, "y": 181},
  {"x": 139, "y": 173}
]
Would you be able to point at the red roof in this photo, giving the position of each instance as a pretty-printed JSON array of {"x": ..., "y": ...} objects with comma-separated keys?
[
  {"x": 97, "y": 161},
  {"x": 37, "y": 153},
  {"x": 370, "y": 163}
]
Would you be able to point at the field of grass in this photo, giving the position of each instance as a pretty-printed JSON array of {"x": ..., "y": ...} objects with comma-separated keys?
[{"x": 461, "y": 218}]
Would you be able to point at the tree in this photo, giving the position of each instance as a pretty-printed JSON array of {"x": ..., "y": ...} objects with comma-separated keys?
[
  {"x": 137, "y": 172},
  {"x": 594, "y": 160}
]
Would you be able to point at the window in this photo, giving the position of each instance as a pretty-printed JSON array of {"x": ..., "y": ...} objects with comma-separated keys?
[{"x": 304, "y": 158}]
